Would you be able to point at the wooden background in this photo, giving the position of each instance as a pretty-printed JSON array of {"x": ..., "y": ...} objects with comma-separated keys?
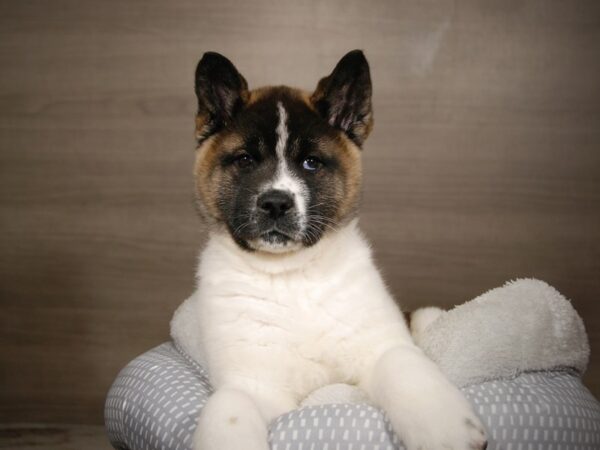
[{"x": 484, "y": 165}]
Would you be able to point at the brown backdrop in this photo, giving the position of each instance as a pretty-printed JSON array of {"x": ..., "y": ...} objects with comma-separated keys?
[{"x": 484, "y": 164}]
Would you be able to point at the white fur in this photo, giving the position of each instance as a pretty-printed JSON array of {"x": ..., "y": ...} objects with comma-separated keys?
[
  {"x": 337, "y": 393},
  {"x": 282, "y": 132},
  {"x": 272, "y": 328}
]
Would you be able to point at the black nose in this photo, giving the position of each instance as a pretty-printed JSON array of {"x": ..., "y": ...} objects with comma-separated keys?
[{"x": 275, "y": 203}]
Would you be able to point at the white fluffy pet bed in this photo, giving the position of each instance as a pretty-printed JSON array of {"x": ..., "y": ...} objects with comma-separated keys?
[{"x": 517, "y": 352}]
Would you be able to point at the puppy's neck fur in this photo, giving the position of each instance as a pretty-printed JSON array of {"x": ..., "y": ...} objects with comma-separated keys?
[{"x": 329, "y": 248}]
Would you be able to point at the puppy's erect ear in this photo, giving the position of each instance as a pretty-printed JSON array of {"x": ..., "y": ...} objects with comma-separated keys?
[
  {"x": 344, "y": 98},
  {"x": 221, "y": 92}
]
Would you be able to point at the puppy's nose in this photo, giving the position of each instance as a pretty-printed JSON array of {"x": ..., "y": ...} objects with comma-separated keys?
[{"x": 275, "y": 203}]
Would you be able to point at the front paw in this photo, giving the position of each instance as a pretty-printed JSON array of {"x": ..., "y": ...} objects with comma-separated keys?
[
  {"x": 468, "y": 434},
  {"x": 452, "y": 425},
  {"x": 477, "y": 439},
  {"x": 230, "y": 420}
]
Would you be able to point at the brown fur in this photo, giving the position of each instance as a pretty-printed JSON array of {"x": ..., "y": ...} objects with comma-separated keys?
[
  {"x": 210, "y": 179},
  {"x": 350, "y": 159}
]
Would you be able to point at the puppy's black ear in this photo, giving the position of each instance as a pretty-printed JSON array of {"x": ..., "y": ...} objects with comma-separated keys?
[
  {"x": 344, "y": 97},
  {"x": 221, "y": 92}
]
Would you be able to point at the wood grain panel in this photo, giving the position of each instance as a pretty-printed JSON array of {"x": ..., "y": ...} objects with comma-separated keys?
[
  {"x": 52, "y": 437},
  {"x": 484, "y": 164}
]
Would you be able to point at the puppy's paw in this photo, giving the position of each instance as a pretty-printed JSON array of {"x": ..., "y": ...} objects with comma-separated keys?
[
  {"x": 478, "y": 438},
  {"x": 230, "y": 420},
  {"x": 450, "y": 434},
  {"x": 449, "y": 425}
]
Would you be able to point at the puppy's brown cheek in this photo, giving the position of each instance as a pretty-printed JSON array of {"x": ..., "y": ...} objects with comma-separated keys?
[
  {"x": 348, "y": 190},
  {"x": 208, "y": 178},
  {"x": 337, "y": 196},
  {"x": 349, "y": 178}
]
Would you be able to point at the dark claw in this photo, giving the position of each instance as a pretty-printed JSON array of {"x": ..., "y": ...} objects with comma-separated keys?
[{"x": 478, "y": 447}]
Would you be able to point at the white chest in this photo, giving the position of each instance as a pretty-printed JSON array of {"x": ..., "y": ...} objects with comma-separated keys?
[{"x": 300, "y": 328}]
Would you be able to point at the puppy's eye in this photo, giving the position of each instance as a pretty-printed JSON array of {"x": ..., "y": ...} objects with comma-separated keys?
[
  {"x": 311, "y": 164},
  {"x": 243, "y": 160}
]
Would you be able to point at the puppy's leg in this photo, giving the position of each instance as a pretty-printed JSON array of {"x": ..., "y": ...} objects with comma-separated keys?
[
  {"x": 425, "y": 409},
  {"x": 233, "y": 419}
]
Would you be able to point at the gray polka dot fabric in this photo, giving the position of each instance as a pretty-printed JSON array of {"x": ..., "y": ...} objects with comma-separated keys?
[{"x": 156, "y": 399}]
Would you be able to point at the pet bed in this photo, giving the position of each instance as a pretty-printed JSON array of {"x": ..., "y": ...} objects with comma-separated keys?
[{"x": 517, "y": 353}]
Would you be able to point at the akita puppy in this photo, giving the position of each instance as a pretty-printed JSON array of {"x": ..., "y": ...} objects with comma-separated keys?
[{"x": 289, "y": 298}]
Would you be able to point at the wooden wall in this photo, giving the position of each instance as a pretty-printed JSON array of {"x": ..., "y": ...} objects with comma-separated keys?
[{"x": 484, "y": 165}]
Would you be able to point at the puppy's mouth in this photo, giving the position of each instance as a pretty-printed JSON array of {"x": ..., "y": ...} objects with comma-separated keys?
[
  {"x": 276, "y": 237},
  {"x": 274, "y": 240}
]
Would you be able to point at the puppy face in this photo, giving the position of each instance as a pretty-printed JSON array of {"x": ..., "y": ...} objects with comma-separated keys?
[{"x": 276, "y": 167}]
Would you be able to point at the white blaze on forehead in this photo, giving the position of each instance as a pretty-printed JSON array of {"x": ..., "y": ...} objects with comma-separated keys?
[
  {"x": 282, "y": 132},
  {"x": 284, "y": 179}
]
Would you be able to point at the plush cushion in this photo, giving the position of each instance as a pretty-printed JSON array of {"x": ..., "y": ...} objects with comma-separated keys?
[{"x": 156, "y": 399}]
